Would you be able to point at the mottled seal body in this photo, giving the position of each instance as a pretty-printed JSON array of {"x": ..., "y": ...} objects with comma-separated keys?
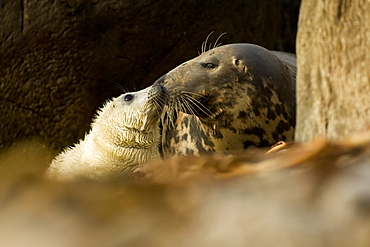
[
  {"x": 124, "y": 134},
  {"x": 229, "y": 98}
]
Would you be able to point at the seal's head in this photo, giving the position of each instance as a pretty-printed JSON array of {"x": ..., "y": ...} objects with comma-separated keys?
[
  {"x": 124, "y": 134},
  {"x": 135, "y": 111},
  {"x": 236, "y": 95}
]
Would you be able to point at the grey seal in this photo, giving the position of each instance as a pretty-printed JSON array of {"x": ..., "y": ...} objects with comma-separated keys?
[
  {"x": 229, "y": 98},
  {"x": 124, "y": 134}
]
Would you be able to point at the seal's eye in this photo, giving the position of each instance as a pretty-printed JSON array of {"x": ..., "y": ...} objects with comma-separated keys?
[
  {"x": 128, "y": 97},
  {"x": 209, "y": 65}
]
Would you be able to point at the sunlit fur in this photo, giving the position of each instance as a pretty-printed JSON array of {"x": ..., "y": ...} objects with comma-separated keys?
[{"x": 123, "y": 135}]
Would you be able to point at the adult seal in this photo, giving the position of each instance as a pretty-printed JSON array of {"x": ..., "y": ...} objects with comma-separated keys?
[
  {"x": 124, "y": 134},
  {"x": 229, "y": 98}
]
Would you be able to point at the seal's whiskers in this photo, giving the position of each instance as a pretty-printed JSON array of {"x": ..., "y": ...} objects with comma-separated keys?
[
  {"x": 204, "y": 44},
  {"x": 121, "y": 87},
  {"x": 186, "y": 107},
  {"x": 217, "y": 45},
  {"x": 199, "y": 105},
  {"x": 158, "y": 107},
  {"x": 186, "y": 103},
  {"x": 210, "y": 47}
]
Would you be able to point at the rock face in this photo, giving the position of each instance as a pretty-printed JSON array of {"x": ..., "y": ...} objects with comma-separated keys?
[
  {"x": 62, "y": 59},
  {"x": 333, "y": 79}
]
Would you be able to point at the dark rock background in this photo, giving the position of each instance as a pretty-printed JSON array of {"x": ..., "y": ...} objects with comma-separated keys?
[{"x": 60, "y": 60}]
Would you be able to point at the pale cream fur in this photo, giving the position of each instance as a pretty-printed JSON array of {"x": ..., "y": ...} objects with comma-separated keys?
[{"x": 123, "y": 135}]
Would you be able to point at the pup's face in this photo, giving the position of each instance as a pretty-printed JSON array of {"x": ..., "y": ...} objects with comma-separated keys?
[{"x": 137, "y": 110}]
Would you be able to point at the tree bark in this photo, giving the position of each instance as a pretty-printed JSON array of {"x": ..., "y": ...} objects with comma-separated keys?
[{"x": 333, "y": 88}]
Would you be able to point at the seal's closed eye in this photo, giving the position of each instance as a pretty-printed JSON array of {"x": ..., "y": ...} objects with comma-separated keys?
[{"x": 209, "y": 65}]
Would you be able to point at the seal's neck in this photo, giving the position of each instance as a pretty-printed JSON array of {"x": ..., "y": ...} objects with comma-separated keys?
[{"x": 129, "y": 146}]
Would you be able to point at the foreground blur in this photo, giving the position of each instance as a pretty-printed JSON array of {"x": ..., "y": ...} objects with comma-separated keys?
[{"x": 316, "y": 194}]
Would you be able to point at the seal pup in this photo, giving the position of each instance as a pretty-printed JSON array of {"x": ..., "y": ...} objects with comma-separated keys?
[
  {"x": 124, "y": 134},
  {"x": 229, "y": 98}
]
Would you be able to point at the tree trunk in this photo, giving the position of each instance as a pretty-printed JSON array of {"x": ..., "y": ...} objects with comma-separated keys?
[{"x": 333, "y": 68}]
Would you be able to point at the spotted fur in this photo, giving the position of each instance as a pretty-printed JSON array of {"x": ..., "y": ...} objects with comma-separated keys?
[{"x": 229, "y": 98}]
